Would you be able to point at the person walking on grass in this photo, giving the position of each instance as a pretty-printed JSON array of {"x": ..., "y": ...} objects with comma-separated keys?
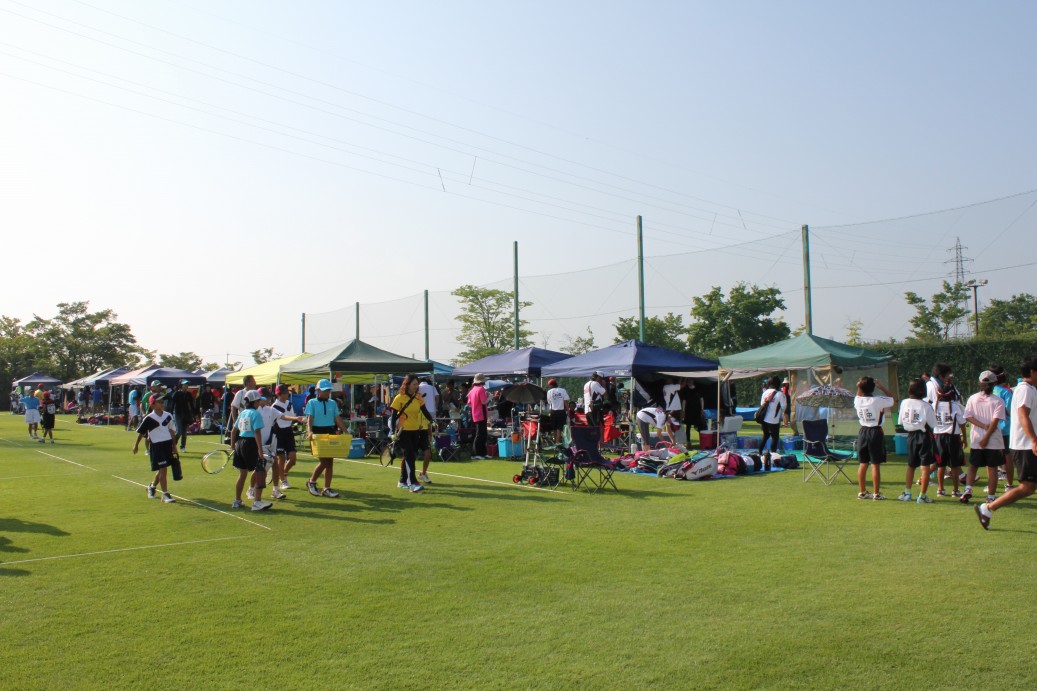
[
  {"x": 183, "y": 409},
  {"x": 477, "y": 404},
  {"x": 322, "y": 417},
  {"x": 918, "y": 419},
  {"x": 557, "y": 399},
  {"x": 1022, "y": 440},
  {"x": 871, "y": 442},
  {"x": 775, "y": 403},
  {"x": 32, "y": 414},
  {"x": 157, "y": 429},
  {"x": 412, "y": 418},
  {"x": 133, "y": 409},
  {"x": 984, "y": 411},
  {"x": 284, "y": 416},
  {"x": 47, "y": 410},
  {"x": 247, "y": 441}
]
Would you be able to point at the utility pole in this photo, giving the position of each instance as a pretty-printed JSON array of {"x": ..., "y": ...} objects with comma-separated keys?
[
  {"x": 808, "y": 316},
  {"x": 959, "y": 261},
  {"x": 515, "y": 250},
  {"x": 640, "y": 283},
  {"x": 975, "y": 284},
  {"x": 426, "y": 324},
  {"x": 303, "y": 333}
]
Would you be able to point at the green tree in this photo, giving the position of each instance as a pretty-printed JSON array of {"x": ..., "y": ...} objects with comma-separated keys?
[
  {"x": 853, "y": 333},
  {"x": 19, "y": 355},
  {"x": 188, "y": 361},
  {"x": 264, "y": 355},
  {"x": 77, "y": 342},
  {"x": 487, "y": 322},
  {"x": 1015, "y": 316},
  {"x": 740, "y": 322},
  {"x": 580, "y": 344},
  {"x": 945, "y": 309},
  {"x": 668, "y": 331}
]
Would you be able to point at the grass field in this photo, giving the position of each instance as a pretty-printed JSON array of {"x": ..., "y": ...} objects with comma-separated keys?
[{"x": 761, "y": 581}]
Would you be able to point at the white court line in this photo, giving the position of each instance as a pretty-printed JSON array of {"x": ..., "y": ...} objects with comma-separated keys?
[
  {"x": 124, "y": 549},
  {"x": 68, "y": 461},
  {"x": 12, "y": 441},
  {"x": 196, "y": 503},
  {"x": 461, "y": 477},
  {"x": 23, "y": 477}
]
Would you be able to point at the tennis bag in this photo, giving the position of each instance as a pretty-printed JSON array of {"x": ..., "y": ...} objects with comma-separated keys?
[{"x": 698, "y": 468}]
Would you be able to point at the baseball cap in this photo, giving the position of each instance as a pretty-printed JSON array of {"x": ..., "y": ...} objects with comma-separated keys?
[
  {"x": 598, "y": 375},
  {"x": 552, "y": 382},
  {"x": 252, "y": 396},
  {"x": 264, "y": 392},
  {"x": 155, "y": 382},
  {"x": 283, "y": 388},
  {"x": 184, "y": 381},
  {"x": 987, "y": 377},
  {"x": 324, "y": 385}
]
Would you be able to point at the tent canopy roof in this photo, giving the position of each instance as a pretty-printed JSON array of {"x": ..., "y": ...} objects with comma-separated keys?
[
  {"x": 265, "y": 373},
  {"x": 803, "y": 351},
  {"x": 36, "y": 379},
  {"x": 631, "y": 358},
  {"x": 353, "y": 357},
  {"x": 133, "y": 377},
  {"x": 527, "y": 361}
]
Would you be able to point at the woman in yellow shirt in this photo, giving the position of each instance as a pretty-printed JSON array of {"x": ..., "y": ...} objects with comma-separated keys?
[{"x": 412, "y": 424}]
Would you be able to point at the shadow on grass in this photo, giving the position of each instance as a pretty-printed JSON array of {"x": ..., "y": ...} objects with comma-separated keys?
[{"x": 16, "y": 525}]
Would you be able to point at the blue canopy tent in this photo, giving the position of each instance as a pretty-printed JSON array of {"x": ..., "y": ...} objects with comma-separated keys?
[
  {"x": 104, "y": 379},
  {"x": 629, "y": 359},
  {"x": 171, "y": 377},
  {"x": 37, "y": 379},
  {"x": 527, "y": 362}
]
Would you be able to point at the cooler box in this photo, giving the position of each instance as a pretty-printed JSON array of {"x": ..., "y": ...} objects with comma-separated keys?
[
  {"x": 748, "y": 442},
  {"x": 331, "y": 445},
  {"x": 491, "y": 450},
  {"x": 791, "y": 443},
  {"x": 509, "y": 449},
  {"x": 358, "y": 448},
  {"x": 707, "y": 440},
  {"x": 900, "y": 444}
]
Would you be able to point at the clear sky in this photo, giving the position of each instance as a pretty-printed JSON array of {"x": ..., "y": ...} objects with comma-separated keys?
[{"x": 211, "y": 170}]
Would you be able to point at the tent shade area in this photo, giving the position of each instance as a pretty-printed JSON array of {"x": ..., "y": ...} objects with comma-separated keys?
[
  {"x": 265, "y": 373},
  {"x": 527, "y": 361},
  {"x": 355, "y": 360},
  {"x": 629, "y": 359},
  {"x": 135, "y": 377},
  {"x": 802, "y": 352},
  {"x": 217, "y": 377},
  {"x": 37, "y": 379}
]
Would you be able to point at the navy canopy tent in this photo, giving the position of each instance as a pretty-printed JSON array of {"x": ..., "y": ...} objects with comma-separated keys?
[
  {"x": 171, "y": 377},
  {"x": 104, "y": 379},
  {"x": 629, "y": 359},
  {"x": 37, "y": 379},
  {"x": 528, "y": 361}
]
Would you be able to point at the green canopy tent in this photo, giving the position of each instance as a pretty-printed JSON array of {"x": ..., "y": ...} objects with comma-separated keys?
[{"x": 354, "y": 361}]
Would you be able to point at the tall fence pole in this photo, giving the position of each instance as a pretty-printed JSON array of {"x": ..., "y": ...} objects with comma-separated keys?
[
  {"x": 808, "y": 316},
  {"x": 357, "y": 336},
  {"x": 640, "y": 283},
  {"x": 516, "y": 297},
  {"x": 426, "y": 325},
  {"x": 303, "y": 333}
]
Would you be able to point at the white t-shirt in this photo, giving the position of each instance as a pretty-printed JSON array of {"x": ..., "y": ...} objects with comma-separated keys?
[
  {"x": 591, "y": 390},
  {"x": 950, "y": 417},
  {"x": 671, "y": 397},
  {"x": 932, "y": 392},
  {"x": 238, "y": 402},
  {"x": 985, "y": 408},
  {"x": 280, "y": 410},
  {"x": 774, "y": 408},
  {"x": 269, "y": 415},
  {"x": 557, "y": 397},
  {"x": 652, "y": 416},
  {"x": 869, "y": 409},
  {"x": 1022, "y": 395},
  {"x": 431, "y": 396},
  {"x": 915, "y": 414}
]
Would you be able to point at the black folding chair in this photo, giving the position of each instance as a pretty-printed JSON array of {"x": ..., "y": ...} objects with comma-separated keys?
[
  {"x": 820, "y": 459},
  {"x": 589, "y": 465},
  {"x": 377, "y": 437}
]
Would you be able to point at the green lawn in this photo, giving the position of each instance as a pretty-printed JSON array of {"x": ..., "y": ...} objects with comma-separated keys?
[{"x": 757, "y": 581}]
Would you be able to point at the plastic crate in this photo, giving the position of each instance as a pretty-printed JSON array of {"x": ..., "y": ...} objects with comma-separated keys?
[
  {"x": 358, "y": 448},
  {"x": 509, "y": 449},
  {"x": 331, "y": 445},
  {"x": 748, "y": 442},
  {"x": 491, "y": 450},
  {"x": 900, "y": 444},
  {"x": 791, "y": 443}
]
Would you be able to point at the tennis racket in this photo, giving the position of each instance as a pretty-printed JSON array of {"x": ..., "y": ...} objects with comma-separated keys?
[
  {"x": 388, "y": 454},
  {"x": 215, "y": 461}
]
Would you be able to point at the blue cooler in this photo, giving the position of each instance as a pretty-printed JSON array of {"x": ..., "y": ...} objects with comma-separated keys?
[
  {"x": 358, "y": 449},
  {"x": 509, "y": 449},
  {"x": 900, "y": 444}
]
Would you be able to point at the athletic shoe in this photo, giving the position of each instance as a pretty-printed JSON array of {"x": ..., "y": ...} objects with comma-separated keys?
[
  {"x": 151, "y": 492},
  {"x": 1002, "y": 475},
  {"x": 991, "y": 497},
  {"x": 955, "y": 493},
  {"x": 41, "y": 440},
  {"x": 984, "y": 520},
  {"x": 416, "y": 487},
  {"x": 922, "y": 499},
  {"x": 285, "y": 485},
  {"x": 905, "y": 496},
  {"x": 236, "y": 504},
  {"x": 51, "y": 441},
  {"x": 962, "y": 477},
  {"x": 424, "y": 478},
  {"x": 328, "y": 492},
  {"x": 1009, "y": 488},
  {"x": 311, "y": 487},
  {"x": 965, "y": 496},
  {"x": 402, "y": 485},
  {"x": 260, "y": 505},
  {"x": 167, "y": 498},
  {"x": 941, "y": 493},
  {"x": 864, "y": 495},
  {"x": 878, "y": 497},
  {"x": 478, "y": 458},
  {"x": 277, "y": 494}
]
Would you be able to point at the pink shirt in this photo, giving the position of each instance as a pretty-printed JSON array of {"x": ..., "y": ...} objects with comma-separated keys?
[
  {"x": 985, "y": 408},
  {"x": 477, "y": 400}
]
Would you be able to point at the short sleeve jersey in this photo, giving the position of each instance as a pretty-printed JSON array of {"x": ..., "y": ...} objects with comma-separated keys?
[
  {"x": 156, "y": 426},
  {"x": 282, "y": 408},
  {"x": 915, "y": 414},
  {"x": 98, "y": 395},
  {"x": 950, "y": 417},
  {"x": 30, "y": 402},
  {"x": 322, "y": 413},
  {"x": 477, "y": 400},
  {"x": 409, "y": 410},
  {"x": 556, "y": 398},
  {"x": 774, "y": 407},
  {"x": 869, "y": 409},
  {"x": 269, "y": 415},
  {"x": 430, "y": 396},
  {"x": 249, "y": 422},
  {"x": 592, "y": 390},
  {"x": 652, "y": 416},
  {"x": 1022, "y": 395},
  {"x": 1005, "y": 394},
  {"x": 984, "y": 408},
  {"x": 134, "y": 396}
]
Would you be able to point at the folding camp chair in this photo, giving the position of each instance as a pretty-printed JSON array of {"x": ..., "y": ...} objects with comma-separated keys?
[
  {"x": 819, "y": 459},
  {"x": 729, "y": 431},
  {"x": 377, "y": 437},
  {"x": 589, "y": 465}
]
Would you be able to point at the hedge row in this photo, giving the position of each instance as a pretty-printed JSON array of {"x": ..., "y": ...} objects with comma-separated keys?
[{"x": 966, "y": 357}]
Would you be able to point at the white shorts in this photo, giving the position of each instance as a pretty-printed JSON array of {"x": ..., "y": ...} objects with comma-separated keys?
[
  {"x": 134, "y": 410},
  {"x": 32, "y": 417}
]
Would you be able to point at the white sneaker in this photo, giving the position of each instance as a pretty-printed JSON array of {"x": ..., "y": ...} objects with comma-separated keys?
[
  {"x": 905, "y": 496},
  {"x": 328, "y": 492},
  {"x": 311, "y": 487},
  {"x": 251, "y": 494},
  {"x": 167, "y": 498},
  {"x": 41, "y": 440},
  {"x": 277, "y": 494},
  {"x": 260, "y": 505},
  {"x": 402, "y": 485},
  {"x": 416, "y": 488},
  {"x": 424, "y": 478},
  {"x": 151, "y": 492},
  {"x": 285, "y": 485},
  {"x": 236, "y": 504},
  {"x": 478, "y": 458}
]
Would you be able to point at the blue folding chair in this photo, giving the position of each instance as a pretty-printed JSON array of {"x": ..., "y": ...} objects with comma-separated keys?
[
  {"x": 588, "y": 464},
  {"x": 820, "y": 459}
]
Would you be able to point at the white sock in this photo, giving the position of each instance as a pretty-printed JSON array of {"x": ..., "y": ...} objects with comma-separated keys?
[{"x": 985, "y": 511}]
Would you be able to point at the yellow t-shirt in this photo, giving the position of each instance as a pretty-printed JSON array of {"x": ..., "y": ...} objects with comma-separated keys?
[{"x": 411, "y": 417}]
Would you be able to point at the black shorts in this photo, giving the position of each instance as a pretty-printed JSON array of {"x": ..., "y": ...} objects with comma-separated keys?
[
  {"x": 285, "y": 439},
  {"x": 1025, "y": 465},
  {"x": 47, "y": 420},
  {"x": 161, "y": 454},
  {"x": 871, "y": 445},
  {"x": 919, "y": 449},
  {"x": 421, "y": 442},
  {"x": 246, "y": 454},
  {"x": 986, "y": 458},
  {"x": 558, "y": 419},
  {"x": 949, "y": 451},
  {"x": 325, "y": 430}
]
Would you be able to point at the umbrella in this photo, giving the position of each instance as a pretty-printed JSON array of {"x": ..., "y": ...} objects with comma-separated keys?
[
  {"x": 523, "y": 393},
  {"x": 826, "y": 396}
]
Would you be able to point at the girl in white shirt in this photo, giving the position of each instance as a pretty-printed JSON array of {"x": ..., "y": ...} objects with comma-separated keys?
[
  {"x": 871, "y": 442},
  {"x": 776, "y": 404}
]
